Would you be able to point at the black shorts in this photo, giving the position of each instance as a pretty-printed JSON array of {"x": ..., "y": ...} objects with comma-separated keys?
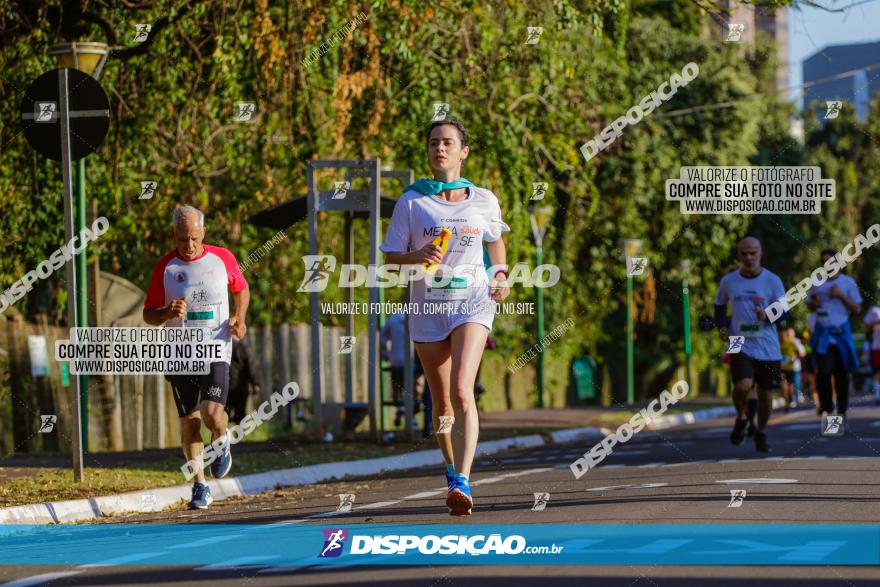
[
  {"x": 788, "y": 376},
  {"x": 765, "y": 373},
  {"x": 191, "y": 390}
]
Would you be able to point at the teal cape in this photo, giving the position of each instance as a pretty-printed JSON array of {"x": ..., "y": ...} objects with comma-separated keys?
[{"x": 430, "y": 187}]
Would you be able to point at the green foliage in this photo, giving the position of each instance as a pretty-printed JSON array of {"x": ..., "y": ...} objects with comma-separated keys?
[{"x": 529, "y": 108}]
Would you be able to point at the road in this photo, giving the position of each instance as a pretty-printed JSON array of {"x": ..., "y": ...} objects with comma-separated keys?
[{"x": 678, "y": 476}]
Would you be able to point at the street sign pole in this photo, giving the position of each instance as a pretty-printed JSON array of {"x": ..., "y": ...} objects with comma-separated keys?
[
  {"x": 82, "y": 294},
  {"x": 67, "y": 180},
  {"x": 686, "y": 308},
  {"x": 65, "y": 116}
]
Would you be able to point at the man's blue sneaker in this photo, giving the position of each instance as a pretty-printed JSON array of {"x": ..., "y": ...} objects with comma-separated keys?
[
  {"x": 223, "y": 463},
  {"x": 450, "y": 479},
  {"x": 201, "y": 497},
  {"x": 459, "y": 499}
]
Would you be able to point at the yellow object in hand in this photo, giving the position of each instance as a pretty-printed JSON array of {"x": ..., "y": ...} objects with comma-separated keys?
[{"x": 441, "y": 241}]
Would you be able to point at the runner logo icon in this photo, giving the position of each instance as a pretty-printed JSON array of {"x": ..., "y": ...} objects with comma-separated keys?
[
  {"x": 539, "y": 190},
  {"x": 533, "y": 34},
  {"x": 446, "y": 423},
  {"x": 736, "y": 344},
  {"x": 735, "y": 31},
  {"x": 346, "y": 344},
  {"x": 318, "y": 270},
  {"x": 45, "y": 112},
  {"x": 541, "y": 500},
  {"x": 737, "y": 497},
  {"x": 141, "y": 32},
  {"x": 832, "y": 426},
  {"x": 833, "y": 108},
  {"x": 148, "y": 190},
  {"x": 340, "y": 189},
  {"x": 441, "y": 111},
  {"x": 245, "y": 111},
  {"x": 346, "y": 500},
  {"x": 636, "y": 265},
  {"x": 334, "y": 541},
  {"x": 47, "y": 423}
]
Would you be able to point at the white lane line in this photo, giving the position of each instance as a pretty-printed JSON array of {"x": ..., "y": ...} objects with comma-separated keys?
[
  {"x": 121, "y": 560},
  {"x": 688, "y": 463},
  {"x": 639, "y": 486},
  {"x": 730, "y": 461},
  {"x": 238, "y": 563},
  {"x": 39, "y": 579},
  {"x": 649, "y": 465},
  {"x": 424, "y": 494},
  {"x": 378, "y": 504},
  {"x": 756, "y": 481},
  {"x": 816, "y": 458},
  {"x": 324, "y": 515},
  {"x": 282, "y": 523}
]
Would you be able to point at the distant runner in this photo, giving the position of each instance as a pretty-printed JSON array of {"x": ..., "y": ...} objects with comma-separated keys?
[
  {"x": 749, "y": 290},
  {"x": 872, "y": 321},
  {"x": 832, "y": 341},
  {"x": 188, "y": 288}
]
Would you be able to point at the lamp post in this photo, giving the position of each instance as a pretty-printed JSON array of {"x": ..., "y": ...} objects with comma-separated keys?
[
  {"x": 686, "y": 320},
  {"x": 90, "y": 59},
  {"x": 631, "y": 248},
  {"x": 539, "y": 217}
]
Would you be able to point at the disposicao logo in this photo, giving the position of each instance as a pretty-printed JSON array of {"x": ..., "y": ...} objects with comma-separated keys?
[{"x": 334, "y": 541}]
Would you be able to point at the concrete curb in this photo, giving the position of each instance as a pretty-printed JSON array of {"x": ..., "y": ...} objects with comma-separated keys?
[
  {"x": 151, "y": 500},
  {"x": 700, "y": 415}
]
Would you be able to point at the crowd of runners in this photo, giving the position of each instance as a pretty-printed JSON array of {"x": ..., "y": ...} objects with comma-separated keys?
[
  {"x": 767, "y": 355},
  {"x": 191, "y": 285}
]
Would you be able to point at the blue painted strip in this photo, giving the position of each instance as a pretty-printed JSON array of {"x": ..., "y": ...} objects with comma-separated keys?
[{"x": 587, "y": 544}]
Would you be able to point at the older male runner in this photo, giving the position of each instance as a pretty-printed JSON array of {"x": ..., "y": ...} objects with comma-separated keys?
[
  {"x": 749, "y": 290},
  {"x": 188, "y": 288}
]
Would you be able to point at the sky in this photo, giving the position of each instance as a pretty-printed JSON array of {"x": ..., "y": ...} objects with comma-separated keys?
[{"x": 811, "y": 29}]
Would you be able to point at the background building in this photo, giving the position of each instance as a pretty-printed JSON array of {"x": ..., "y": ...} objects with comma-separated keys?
[{"x": 856, "y": 72}]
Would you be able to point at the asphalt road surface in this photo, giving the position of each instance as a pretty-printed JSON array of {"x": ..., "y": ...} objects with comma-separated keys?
[{"x": 677, "y": 476}]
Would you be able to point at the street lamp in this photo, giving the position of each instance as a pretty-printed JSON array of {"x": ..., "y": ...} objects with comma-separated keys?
[
  {"x": 539, "y": 217},
  {"x": 88, "y": 58},
  {"x": 686, "y": 316},
  {"x": 631, "y": 248}
]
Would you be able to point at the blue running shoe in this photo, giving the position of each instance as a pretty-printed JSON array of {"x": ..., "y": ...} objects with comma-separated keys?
[
  {"x": 201, "y": 497},
  {"x": 459, "y": 499},
  {"x": 223, "y": 463},
  {"x": 450, "y": 479}
]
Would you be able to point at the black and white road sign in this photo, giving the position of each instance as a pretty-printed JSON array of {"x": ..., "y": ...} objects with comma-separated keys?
[{"x": 89, "y": 110}]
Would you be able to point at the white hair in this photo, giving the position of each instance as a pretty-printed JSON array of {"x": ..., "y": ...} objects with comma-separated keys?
[{"x": 182, "y": 211}]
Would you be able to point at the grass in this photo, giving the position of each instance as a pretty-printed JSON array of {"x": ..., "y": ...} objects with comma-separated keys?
[{"x": 57, "y": 484}]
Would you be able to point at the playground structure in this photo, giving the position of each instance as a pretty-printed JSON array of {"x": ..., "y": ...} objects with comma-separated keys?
[{"x": 371, "y": 205}]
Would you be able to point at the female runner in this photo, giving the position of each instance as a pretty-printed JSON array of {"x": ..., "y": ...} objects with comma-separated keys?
[{"x": 460, "y": 297}]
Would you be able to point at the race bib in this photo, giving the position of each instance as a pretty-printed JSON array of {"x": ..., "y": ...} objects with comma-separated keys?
[
  {"x": 822, "y": 316},
  {"x": 454, "y": 290},
  {"x": 750, "y": 329}
]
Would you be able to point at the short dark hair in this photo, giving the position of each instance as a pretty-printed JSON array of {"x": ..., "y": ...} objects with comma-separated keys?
[
  {"x": 453, "y": 122},
  {"x": 829, "y": 252}
]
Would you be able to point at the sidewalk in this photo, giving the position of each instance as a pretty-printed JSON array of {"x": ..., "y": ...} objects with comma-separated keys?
[{"x": 547, "y": 426}]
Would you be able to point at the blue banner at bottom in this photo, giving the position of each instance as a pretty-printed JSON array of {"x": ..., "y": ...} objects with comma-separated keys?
[{"x": 477, "y": 544}]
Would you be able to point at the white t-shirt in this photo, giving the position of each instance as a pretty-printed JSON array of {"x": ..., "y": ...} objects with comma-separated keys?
[
  {"x": 463, "y": 291},
  {"x": 202, "y": 282},
  {"x": 832, "y": 311},
  {"x": 743, "y": 294},
  {"x": 873, "y": 315}
]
